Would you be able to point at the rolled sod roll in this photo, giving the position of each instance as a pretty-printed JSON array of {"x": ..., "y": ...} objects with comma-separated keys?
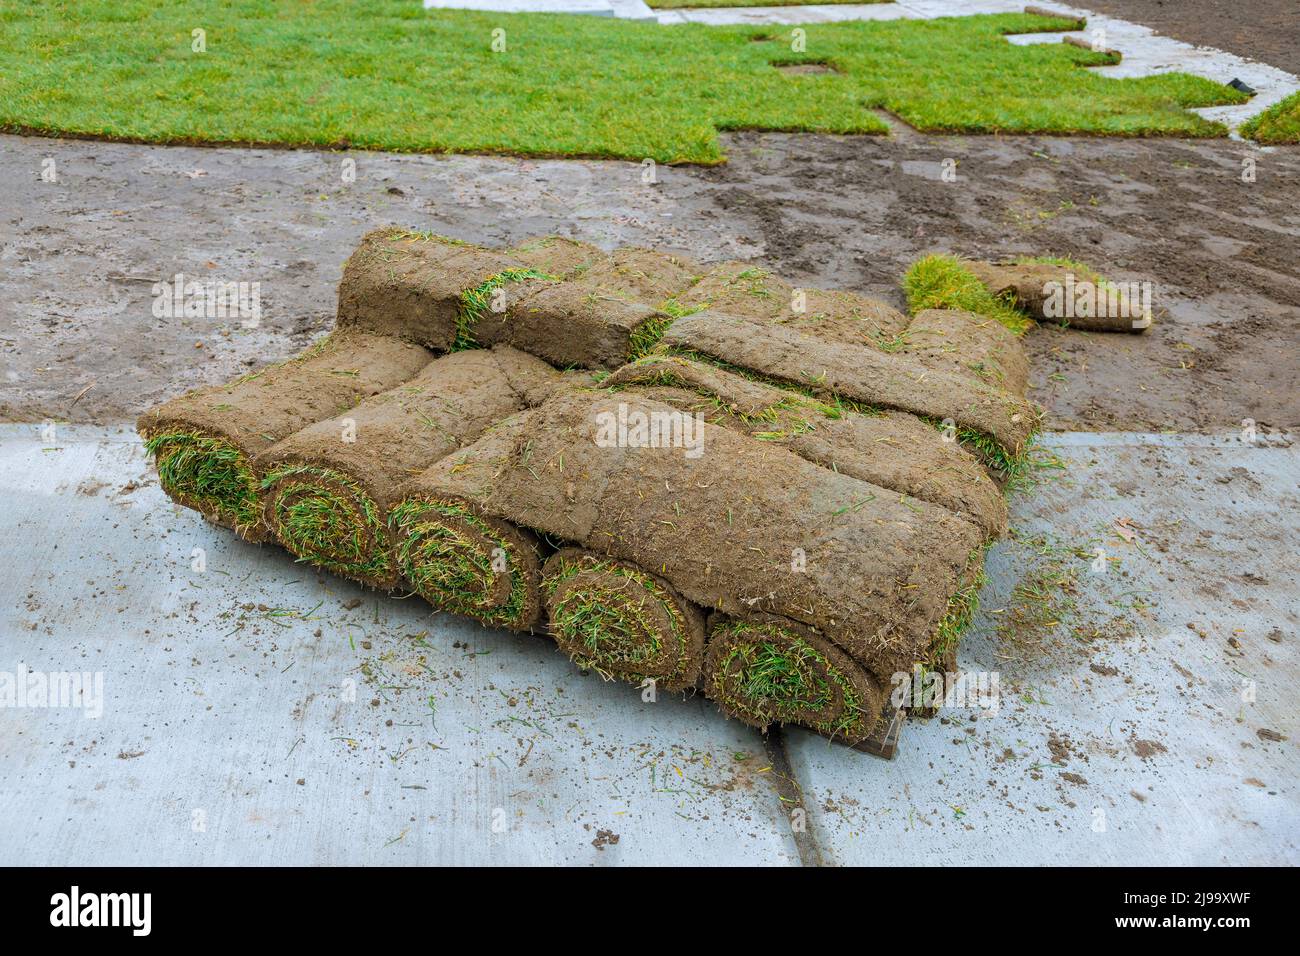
[
  {"x": 326, "y": 489},
  {"x": 203, "y": 443},
  {"x": 739, "y": 288},
  {"x": 895, "y": 450},
  {"x": 1072, "y": 295},
  {"x": 765, "y": 673},
  {"x": 572, "y": 324},
  {"x": 608, "y": 312},
  {"x": 993, "y": 421},
  {"x": 969, "y": 344},
  {"x": 558, "y": 256},
  {"x": 731, "y": 523},
  {"x": 421, "y": 288},
  {"x": 622, "y": 622},
  {"x": 463, "y": 560}
]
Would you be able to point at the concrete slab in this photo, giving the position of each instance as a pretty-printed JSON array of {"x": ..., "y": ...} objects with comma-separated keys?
[
  {"x": 1141, "y": 728},
  {"x": 254, "y": 711}
]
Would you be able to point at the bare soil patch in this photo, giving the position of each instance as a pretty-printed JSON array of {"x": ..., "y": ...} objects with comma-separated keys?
[{"x": 81, "y": 343}]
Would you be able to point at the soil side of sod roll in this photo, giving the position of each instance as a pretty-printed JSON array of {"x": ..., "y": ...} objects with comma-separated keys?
[
  {"x": 895, "y": 450},
  {"x": 968, "y": 344},
  {"x": 743, "y": 289},
  {"x": 327, "y": 488},
  {"x": 642, "y": 275},
  {"x": 204, "y": 442},
  {"x": 744, "y": 527},
  {"x": 832, "y": 370},
  {"x": 415, "y": 288},
  {"x": 772, "y": 672},
  {"x": 603, "y": 313},
  {"x": 557, "y": 255},
  {"x": 568, "y": 323},
  {"x": 622, "y": 622}
]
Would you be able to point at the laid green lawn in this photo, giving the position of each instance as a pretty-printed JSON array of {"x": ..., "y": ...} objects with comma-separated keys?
[
  {"x": 681, "y": 4},
  {"x": 385, "y": 74},
  {"x": 1280, "y": 123}
]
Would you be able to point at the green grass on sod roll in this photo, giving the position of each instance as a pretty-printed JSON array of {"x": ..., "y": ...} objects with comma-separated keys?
[
  {"x": 942, "y": 282},
  {"x": 613, "y": 636},
  {"x": 386, "y": 74},
  {"x": 959, "y": 615},
  {"x": 450, "y": 568},
  {"x": 771, "y": 674},
  {"x": 207, "y": 473},
  {"x": 326, "y": 518}
]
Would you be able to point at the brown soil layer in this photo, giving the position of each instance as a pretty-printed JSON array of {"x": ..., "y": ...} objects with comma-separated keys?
[
  {"x": 81, "y": 255},
  {"x": 739, "y": 288},
  {"x": 744, "y": 527},
  {"x": 964, "y": 342}
]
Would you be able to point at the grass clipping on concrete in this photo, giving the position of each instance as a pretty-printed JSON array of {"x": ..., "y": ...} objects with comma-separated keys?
[{"x": 341, "y": 74}]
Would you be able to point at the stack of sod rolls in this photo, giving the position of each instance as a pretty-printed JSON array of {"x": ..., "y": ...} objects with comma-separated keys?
[{"x": 695, "y": 476}]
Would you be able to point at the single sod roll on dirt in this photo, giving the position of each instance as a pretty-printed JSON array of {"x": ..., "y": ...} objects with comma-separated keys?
[
  {"x": 326, "y": 489},
  {"x": 730, "y": 523},
  {"x": 1069, "y": 294},
  {"x": 613, "y": 618},
  {"x": 895, "y": 450},
  {"x": 739, "y": 288},
  {"x": 769, "y": 672},
  {"x": 204, "y": 442},
  {"x": 423, "y": 288},
  {"x": 969, "y": 344},
  {"x": 996, "y": 423}
]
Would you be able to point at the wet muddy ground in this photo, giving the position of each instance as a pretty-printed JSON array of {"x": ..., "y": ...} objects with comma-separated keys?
[{"x": 80, "y": 254}]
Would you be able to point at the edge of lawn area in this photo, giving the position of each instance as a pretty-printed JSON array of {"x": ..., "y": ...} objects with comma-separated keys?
[
  {"x": 390, "y": 76},
  {"x": 1277, "y": 125}
]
